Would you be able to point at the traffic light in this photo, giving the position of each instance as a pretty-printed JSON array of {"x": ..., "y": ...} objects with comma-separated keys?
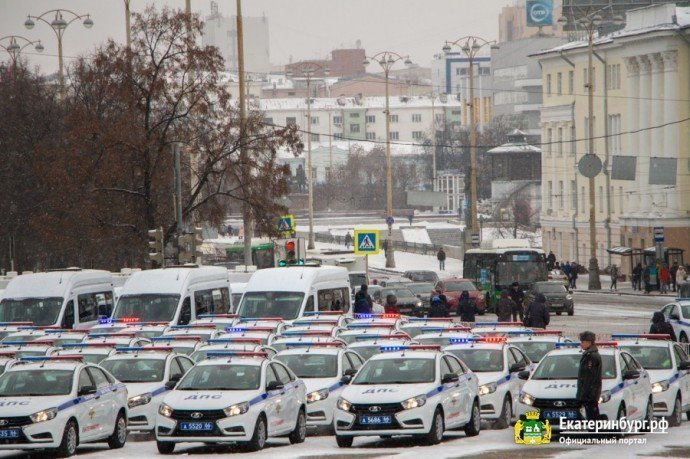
[
  {"x": 291, "y": 253},
  {"x": 189, "y": 247},
  {"x": 197, "y": 240},
  {"x": 156, "y": 246}
]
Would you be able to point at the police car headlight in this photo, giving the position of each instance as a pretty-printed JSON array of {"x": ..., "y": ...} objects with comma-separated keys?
[
  {"x": 414, "y": 402},
  {"x": 419, "y": 304},
  {"x": 317, "y": 395},
  {"x": 236, "y": 409},
  {"x": 605, "y": 396},
  {"x": 45, "y": 415},
  {"x": 344, "y": 404},
  {"x": 139, "y": 400},
  {"x": 165, "y": 410},
  {"x": 526, "y": 399},
  {"x": 487, "y": 389},
  {"x": 660, "y": 386},
  {"x": 568, "y": 297}
]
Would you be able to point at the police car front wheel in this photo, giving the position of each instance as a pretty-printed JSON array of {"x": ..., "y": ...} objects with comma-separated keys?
[
  {"x": 119, "y": 437},
  {"x": 474, "y": 426},
  {"x": 300, "y": 433},
  {"x": 165, "y": 447},
  {"x": 70, "y": 440},
  {"x": 258, "y": 440},
  {"x": 344, "y": 442},
  {"x": 677, "y": 416},
  {"x": 435, "y": 435}
]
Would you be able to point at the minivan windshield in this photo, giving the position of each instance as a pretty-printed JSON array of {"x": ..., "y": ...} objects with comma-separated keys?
[
  {"x": 40, "y": 311},
  {"x": 147, "y": 307},
  {"x": 285, "y": 305}
]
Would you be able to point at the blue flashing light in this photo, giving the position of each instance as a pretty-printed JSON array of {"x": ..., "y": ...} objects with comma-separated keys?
[
  {"x": 14, "y": 343},
  {"x": 354, "y": 326},
  {"x": 519, "y": 332},
  {"x": 626, "y": 335},
  {"x": 374, "y": 337},
  {"x": 235, "y": 329},
  {"x": 100, "y": 335},
  {"x": 129, "y": 349},
  {"x": 105, "y": 321},
  {"x": 485, "y": 324},
  {"x": 571, "y": 344},
  {"x": 392, "y": 348},
  {"x": 48, "y": 358},
  {"x": 58, "y": 330},
  {"x": 462, "y": 340},
  {"x": 364, "y": 316}
]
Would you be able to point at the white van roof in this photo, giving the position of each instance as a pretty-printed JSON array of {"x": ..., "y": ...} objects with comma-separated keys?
[
  {"x": 171, "y": 280},
  {"x": 238, "y": 287},
  {"x": 294, "y": 279},
  {"x": 54, "y": 283}
]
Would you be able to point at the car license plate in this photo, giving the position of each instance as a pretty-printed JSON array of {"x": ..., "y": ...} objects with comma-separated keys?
[
  {"x": 566, "y": 414},
  {"x": 12, "y": 433},
  {"x": 373, "y": 420},
  {"x": 196, "y": 426}
]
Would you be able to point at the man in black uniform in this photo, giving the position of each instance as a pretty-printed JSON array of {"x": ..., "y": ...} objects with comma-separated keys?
[{"x": 589, "y": 376}]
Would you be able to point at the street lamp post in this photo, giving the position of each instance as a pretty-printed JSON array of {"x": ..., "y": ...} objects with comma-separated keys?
[
  {"x": 590, "y": 164},
  {"x": 59, "y": 24},
  {"x": 308, "y": 70},
  {"x": 387, "y": 59},
  {"x": 470, "y": 47},
  {"x": 14, "y": 48},
  {"x": 128, "y": 26}
]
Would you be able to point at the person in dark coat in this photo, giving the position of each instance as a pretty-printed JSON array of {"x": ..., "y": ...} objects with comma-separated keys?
[
  {"x": 647, "y": 279},
  {"x": 504, "y": 309},
  {"x": 363, "y": 302},
  {"x": 660, "y": 326},
  {"x": 391, "y": 306},
  {"x": 637, "y": 277},
  {"x": 467, "y": 307},
  {"x": 573, "y": 275},
  {"x": 589, "y": 376},
  {"x": 518, "y": 296},
  {"x": 537, "y": 314},
  {"x": 348, "y": 240},
  {"x": 550, "y": 261},
  {"x": 441, "y": 257},
  {"x": 438, "y": 308}
]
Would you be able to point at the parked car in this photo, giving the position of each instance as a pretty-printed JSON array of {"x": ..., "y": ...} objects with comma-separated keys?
[
  {"x": 407, "y": 303},
  {"x": 454, "y": 286},
  {"x": 423, "y": 290},
  {"x": 558, "y": 298},
  {"x": 556, "y": 275},
  {"x": 422, "y": 276}
]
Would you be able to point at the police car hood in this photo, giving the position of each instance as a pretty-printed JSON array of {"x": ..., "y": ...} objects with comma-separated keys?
[
  {"x": 662, "y": 375},
  {"x": 384, "y": 393},
  {"x": 559, "y": 388},
  {"x": 313, "y": 384},
  {"x": 207, "y": 399},
  {"x": 25, "y": 406},
  {"x": 486, "y": 377},
  {"x": 134, "y": 389}
]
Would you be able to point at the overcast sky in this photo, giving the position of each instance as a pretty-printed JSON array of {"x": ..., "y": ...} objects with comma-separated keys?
[{"x": 298, "y": 28}]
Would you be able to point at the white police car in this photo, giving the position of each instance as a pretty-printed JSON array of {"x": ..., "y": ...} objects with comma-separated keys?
[
  {"x": 496, "y": 328},
  {"x": 90, "y": 352},
  {"x": 233, "y": 397},
  {"x": 408, "y": 390},
  {"x": 375, "y": 329},
  {"x": 26, "y": 334},
  {"x": 183, "y": 344},
  {"x": 414, "y": 326},
  {"x": 369, "y": 345},
  {"x": 203, "y": 331},
  {"x": 121, "y": 338},
  {"x": 442, "y": 336},
  {"x": 11, "y": 327},
  {"x": 30, "y": 349},
  {"x": 57, "y": 403},
  {"x": 669, "y": 371},
  {"x": 386, "y": 318},
  {"x": 110, "y": 325},
  {"x": 497, "y": 365},
  {"x": 276, "y": 323},
  {"x": 536, "y": 343},
  {"x": 325, "y": 367},
  {"x": 146, "y": 371},
  {"x": 60, "y": 337},
  {"x": 231, "y": 344},
  {"x": 220, "y": 321},
  {"x": 678, "y": 315},
  {"x": 552, "y": 386},
  {"x": 266, "y": 334}
]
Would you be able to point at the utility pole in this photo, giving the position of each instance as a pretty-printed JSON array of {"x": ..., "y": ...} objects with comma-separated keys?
[
  {"x": 178, "y": 197},
  {"x": 246, "y": 208},
  {"x": 128, "y": 26}
]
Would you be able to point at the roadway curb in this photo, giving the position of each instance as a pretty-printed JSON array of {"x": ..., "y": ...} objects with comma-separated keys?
[{"x": 608, "y": 292}]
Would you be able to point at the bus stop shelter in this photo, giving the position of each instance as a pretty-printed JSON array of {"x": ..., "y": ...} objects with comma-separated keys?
[{"x": 630, "y": 257}]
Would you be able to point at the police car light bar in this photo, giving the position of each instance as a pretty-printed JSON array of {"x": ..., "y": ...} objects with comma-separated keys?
[
  {"x": 519, "y": 332},
  {"x": 315, "y": 344},
  {"x": 48, "y": 358},
  {"x": 546, "y": 332},
  {"x": 121, "y": 320},
  {"x": 217, "y": 316},
  {"x": 28, "y": 343},
  {"x": 570, "y": 344},
  {"x": 324, "y": 313},
  {"x": 127, "y": 334},
  {"x": 83, "y": 345},
  {"x": 412, "y": 347},
  {"x": 682, "y": 299},
  {"x": 377, "y": 337},
  {"x": 462, "y": 340},
  {"x": 315, "y": 322},
  {"x": 659, "y": 336},
  {"x": 39, "y": 327},
  {"x": 7, "y": 353},
  {"x": 192, "y": 326},
  {"x": 177, "y": 338},
  {"x": 145, "y": 349},
  {"x": 63, "y": 330},
  {"x": 234, "y": 340},
  {"x": 235, "y": 354},
  {"x": 306, "y": 333},
  {"x": 11, "y": 324},
  {"x": 499, "y": 324},
  {"x": 493, "y": 339},
  {"x": 377, "y": 316},
  {"x": 607, "y": 344},
  {"x": 355, "y": 326},
  {"x": 248, "y": 330},
  {"x": 445, "y": 329},
  {"x": 432, "y": 319},
  {"x": 261, "y": 319}
]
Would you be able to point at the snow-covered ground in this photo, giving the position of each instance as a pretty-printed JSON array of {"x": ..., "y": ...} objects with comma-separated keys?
[{"x": 416, "y": 235}]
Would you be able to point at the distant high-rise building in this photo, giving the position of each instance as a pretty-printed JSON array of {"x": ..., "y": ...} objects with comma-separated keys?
[{"x": 221, "y": 31}]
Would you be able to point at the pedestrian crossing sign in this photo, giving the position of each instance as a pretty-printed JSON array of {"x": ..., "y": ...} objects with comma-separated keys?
[
  {"x": 286, "y": 225},
  {"x": 366, "y": 242}
]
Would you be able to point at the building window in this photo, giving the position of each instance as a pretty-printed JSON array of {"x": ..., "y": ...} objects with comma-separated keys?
[
  {"x": 559, "y": 145},
  {"x": 613, "y": 76},
  {"x": 417, "y": 135},
  {"x": 548, "y": 84},
  {"x": 549, "y": 196},
  {"x": 268, "y": 121},
  {"x": 394, "y": 118},
  {"x": 549, "y": 139},
  {"x": 314, "y": 120},
  {"x": 573, "y": 144},
  {"x": 291, "y": 121},
  {"x": 395, "y": 135},
  {"x": 561, "y": 192},
  {"x": 416, "y": 118},
  {"x": 354, "y": 128},
  {"x": 315, "y": 137},
  {"x": 371, "y": 136},
  {"x": 559, "y": 83},
  {"x": 371, "y": 119},
  {"x": 338, "y": 136},
  {"x": 614, "y": 134},
  {"x": 573, "y": 195},
  {"x": 337, "y": 120},
  {"x": 354, "y": 115},
  {"x": 582, "y": 200}
]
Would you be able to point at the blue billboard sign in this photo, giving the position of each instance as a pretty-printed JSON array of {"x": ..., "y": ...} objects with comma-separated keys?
[{"x": 539, "y": 13}]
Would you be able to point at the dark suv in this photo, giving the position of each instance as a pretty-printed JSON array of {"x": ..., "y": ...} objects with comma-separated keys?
[{"x": 558, "y": 298}]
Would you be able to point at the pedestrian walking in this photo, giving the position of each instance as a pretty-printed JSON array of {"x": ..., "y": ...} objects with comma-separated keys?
[
  {"x": 363, "y": 302},
  {"x": 661, "y": 326},
  {"x": 550, "y": 260},
  {"x": 537, "y": 313},
  {"x": 567, "y": 270},
  {"x": 646, "y": 278},
  {"x": 438, "y": 308},
  {"x": 505, "y": 307},
  {"x": 614, "y": 278},
  {"x": 518, "y": 296},
  {"x": 637, "y": 277},
  {"x": 673, "y": 271},
  {"x": 467, "y": 307},
  {"x": 653, "y": 278},
  {"x": 348, "y": 240},
  {"x": 664, "y": 278},
  {"x": 681, "y": 274},
  {"x": 441, "y": 257},
  {"x": 589, "y": 376},
  {"x": 391, "y": 306},
  {"x": 573, "y": 276}
]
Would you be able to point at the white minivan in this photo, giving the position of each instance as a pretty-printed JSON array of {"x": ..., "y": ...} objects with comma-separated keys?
[
  {"x": 174, "y": 295},
  {"x": 290, "y": 292},
  {"x": 70, "y": 298}
]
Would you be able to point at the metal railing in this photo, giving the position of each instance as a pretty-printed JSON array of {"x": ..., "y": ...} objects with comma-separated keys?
[{"x": 402, "y": 246}]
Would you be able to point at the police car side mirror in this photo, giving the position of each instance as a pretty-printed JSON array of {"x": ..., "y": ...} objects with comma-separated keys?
[
  {"x": 684, "y": 365},
  {"x": 86, "y": 390},
  {"x": 350, "y": 372},
  {"x": 170, "y": 385},
  {"x": 346, "y": 379},
  {"x": 176, "y": 377},
  {"x": 570, "y": 291},
  {"x": 450, "y": 378},
  {"x": 517, "y": 367},
  {"x": 675, "y": 316},
  {"x": 631, "y": 374},
  {"x": 524, "y": 375},
  {"x": 274, "y": 385}
]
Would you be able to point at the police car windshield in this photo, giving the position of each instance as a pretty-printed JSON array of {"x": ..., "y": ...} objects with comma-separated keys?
[
  {"x": 222, "y": 377},
  {"x": 136, "y": 370},
  {"x": 535, "y": 350},
  {"x": 311, "y": 365},
  {"x": 566, "y": 367},
  {"x": 286, "y": 305},
  {"x": 397, "y": 371},
  {"x": 442, "y": 341},
  {"x": 686, "y": 310},
  {"x": 650, "y": 357},
  {"x": 147, "y": 308},
  {"x": 40, "y": 311},
  {"x": 480, "y": 360},
  {"x": 351, "y": 338},
  {"x": 25, "y": 383},
  {"x": 367, "y": 352}
]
